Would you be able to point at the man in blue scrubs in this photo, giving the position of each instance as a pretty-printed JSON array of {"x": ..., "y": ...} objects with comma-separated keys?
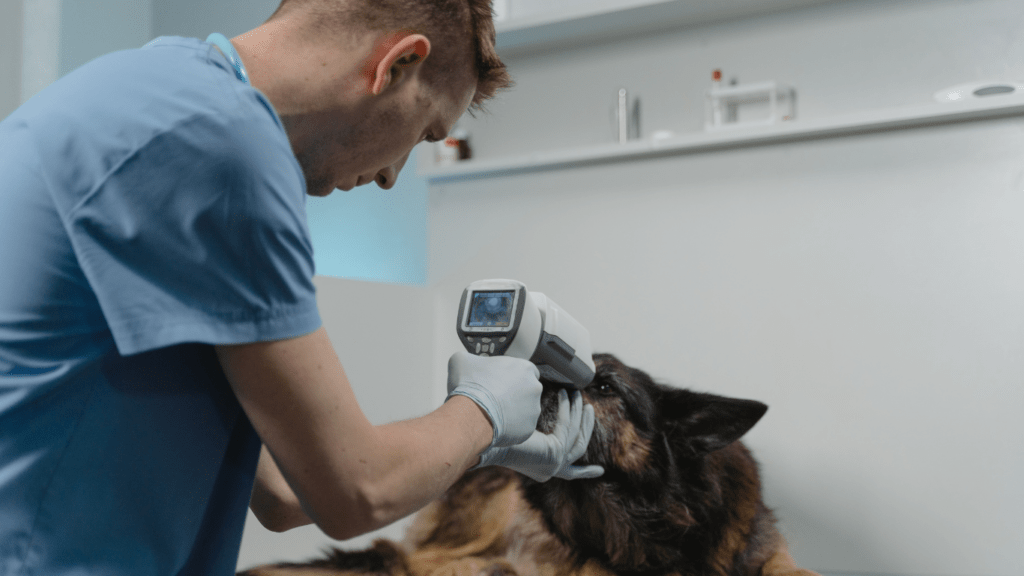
[{"x": 160, "y": 344}]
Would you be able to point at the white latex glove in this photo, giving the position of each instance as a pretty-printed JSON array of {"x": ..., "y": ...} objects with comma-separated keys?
[
  {"x": 506, "y": 388},
  {"x": 545, "y": 455}
]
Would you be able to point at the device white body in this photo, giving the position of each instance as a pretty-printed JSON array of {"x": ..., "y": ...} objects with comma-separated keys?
[
  {"x": 544, "y": 334},
  {"x": 557, "y": 322}
]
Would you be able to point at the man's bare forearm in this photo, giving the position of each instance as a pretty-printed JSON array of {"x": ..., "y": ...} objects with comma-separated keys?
[
  {"x": 416, "y": 468},
  {"x": 405, "y": 476},
  {"x": 273, "y": 502},
  {"x": 349, "y": 475}
]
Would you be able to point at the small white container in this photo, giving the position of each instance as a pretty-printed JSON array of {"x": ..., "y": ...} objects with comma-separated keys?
[
  {"x": 744, "y": 105},
  {"x": 978, "y": 90},
  {"x": 446, "y": 152}
]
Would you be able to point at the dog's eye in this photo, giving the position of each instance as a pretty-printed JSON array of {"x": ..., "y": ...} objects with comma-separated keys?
[{"x": 602, "y": 388}]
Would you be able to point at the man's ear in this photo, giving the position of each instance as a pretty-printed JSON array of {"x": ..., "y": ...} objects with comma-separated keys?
[{"x": 395, "y": 54}]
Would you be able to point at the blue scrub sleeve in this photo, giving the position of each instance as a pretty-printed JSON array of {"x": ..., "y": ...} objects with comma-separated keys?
[{"x": 200, "y": 235}]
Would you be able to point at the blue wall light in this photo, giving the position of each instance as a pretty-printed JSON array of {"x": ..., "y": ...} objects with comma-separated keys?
[{"x": 373, "y": 234}]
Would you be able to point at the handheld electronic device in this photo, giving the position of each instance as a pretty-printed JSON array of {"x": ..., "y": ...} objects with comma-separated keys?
[{"x": 502, "y": 317}]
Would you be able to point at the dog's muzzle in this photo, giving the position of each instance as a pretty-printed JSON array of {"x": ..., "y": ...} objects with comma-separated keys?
[{"x": 548, "y": 408}]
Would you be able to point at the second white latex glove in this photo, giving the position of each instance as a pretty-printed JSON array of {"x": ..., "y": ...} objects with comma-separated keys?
[{"x": 543, "y": 456}]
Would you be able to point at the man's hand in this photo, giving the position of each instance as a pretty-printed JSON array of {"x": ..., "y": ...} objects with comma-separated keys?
[
  {"x": 507, "y": 389},
  {"x": 545, "y": 455}
]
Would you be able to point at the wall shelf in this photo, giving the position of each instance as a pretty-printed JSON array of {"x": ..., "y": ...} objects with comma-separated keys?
[{"x": 930, "y": 114}]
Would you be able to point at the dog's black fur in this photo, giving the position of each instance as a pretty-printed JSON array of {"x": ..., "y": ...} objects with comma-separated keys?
[{"x": 671, "y": 490}]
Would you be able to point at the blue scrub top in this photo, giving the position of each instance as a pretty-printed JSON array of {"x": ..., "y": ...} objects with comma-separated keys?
[{"x": 150, "y": 207}]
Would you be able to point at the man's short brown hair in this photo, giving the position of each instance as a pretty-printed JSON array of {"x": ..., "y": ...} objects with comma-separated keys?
[{"x": 461, "y": 34}]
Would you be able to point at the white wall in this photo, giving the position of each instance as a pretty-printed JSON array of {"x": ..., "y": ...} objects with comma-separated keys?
[
  {"x": 40, "y": 45},
  {"x": 870, "y": 297},
  {"x": 867, "y": 288},
  {"x": 42, "y": 40},
  {"x": 10, "y": 56},
  {"x": 198, "y": 18},
  {"x": 94, "y": 28}
]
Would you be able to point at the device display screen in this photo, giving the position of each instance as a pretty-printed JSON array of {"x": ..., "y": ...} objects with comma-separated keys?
[{"x": 491, "y": 309}]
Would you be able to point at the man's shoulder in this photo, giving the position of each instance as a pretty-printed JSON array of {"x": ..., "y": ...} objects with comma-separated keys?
[
  {"x": 177, "y": 94},
  {"x": 203, "y": 90},
  {"x": 154, "y": 88}
]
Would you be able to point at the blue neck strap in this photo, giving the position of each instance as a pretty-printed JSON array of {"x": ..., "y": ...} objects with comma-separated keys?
[{"x": 221, "y": 41}]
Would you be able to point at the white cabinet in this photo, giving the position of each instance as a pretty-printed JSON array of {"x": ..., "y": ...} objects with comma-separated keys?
[{"x": 532, "y": 24}]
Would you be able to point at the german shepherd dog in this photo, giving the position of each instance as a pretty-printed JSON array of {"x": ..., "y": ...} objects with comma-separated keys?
[{"x": 680, "y": 496}]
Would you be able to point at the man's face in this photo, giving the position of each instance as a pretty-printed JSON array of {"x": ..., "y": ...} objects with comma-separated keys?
[{"x": 372, "y": 144}]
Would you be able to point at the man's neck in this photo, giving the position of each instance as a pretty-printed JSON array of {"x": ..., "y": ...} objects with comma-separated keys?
[{"x": 297, "y": 75}]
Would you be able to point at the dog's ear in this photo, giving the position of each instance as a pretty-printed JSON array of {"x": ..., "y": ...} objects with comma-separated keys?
[{"x": 706, "y": 422}]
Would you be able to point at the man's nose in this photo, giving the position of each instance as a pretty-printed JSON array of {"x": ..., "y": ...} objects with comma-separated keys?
[{"x": 387, "y": 177}]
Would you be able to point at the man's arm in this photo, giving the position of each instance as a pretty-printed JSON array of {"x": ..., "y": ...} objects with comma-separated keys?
[
  {"x": 273, "y": 502},
  {"x": 348, "y": 475}
]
